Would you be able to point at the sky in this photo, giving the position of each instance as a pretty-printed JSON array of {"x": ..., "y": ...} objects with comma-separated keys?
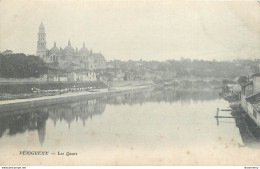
[{"x": 136, "y": 29}]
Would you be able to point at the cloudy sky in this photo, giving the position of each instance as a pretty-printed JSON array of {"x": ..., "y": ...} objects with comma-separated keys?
[{"x": 133, "y": 30}]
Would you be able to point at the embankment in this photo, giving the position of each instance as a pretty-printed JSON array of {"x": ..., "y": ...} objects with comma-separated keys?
[
  {"x": 9, "y": 105},
  {"x": 25, "y": 87}
]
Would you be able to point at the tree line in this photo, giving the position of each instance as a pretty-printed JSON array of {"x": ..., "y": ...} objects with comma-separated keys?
[
  {"x": 192, "y": 68},
  {"x": 21, "y": 66}
]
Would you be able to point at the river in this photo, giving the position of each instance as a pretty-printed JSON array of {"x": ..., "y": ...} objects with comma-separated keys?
[{"x": 153, "y": 127}]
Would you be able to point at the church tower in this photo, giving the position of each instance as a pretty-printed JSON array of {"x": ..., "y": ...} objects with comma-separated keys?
[{"x": 41, "y": 43}]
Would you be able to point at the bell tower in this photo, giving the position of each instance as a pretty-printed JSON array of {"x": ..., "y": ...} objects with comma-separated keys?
[{"x": 41, "y": 43}]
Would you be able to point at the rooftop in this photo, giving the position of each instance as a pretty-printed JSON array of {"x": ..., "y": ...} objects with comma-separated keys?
[
  {"x": 255, "y": 74},
  {"x": 247, "y": 84},
  {"x": 254, "y": 100}
]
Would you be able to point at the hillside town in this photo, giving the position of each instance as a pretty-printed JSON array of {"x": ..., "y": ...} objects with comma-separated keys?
[
  {"x": 71, "y": 64},
  {"x": 61, "y": 70}
]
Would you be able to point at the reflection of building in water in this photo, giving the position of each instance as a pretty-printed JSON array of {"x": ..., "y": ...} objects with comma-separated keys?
[
  {"x": 68, "y": 116},
  {"x": 54, "y": 115},
  {"x": 82, "y": 110},
  {"x": 22, "y": 121},
  {"x": 41, "y": 126},
  {"x": 34, "y": 119},
  {"x": 159, "y": 95},
  {"x": 249, "y": 131}
]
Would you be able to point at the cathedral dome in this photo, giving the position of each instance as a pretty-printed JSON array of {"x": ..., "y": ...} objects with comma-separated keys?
[
  {"x": 83, "y": 50},
  {"x": 69, "y": 48},
  {"x": 54, "y": 48}
]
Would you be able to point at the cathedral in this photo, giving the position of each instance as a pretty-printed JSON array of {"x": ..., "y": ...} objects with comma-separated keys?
[{"x": 69, "y": 57}]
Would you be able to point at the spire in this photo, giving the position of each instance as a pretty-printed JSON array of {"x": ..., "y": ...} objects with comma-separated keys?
[
  {"x": 41, "y": 42},
  {"x": 41, "y": 25},
  {"x": 84, "y": 45},
  {"x": 41, "y": 28},
  {"x": 54, "y": 44},
  {"x": 69, "y": 43}
]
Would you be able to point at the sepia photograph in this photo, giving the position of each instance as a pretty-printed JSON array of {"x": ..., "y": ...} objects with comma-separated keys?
[{"x": 129, "y": 83}]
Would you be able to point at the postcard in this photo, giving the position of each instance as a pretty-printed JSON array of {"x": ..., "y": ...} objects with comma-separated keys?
[{"x": 129, "y": 83}]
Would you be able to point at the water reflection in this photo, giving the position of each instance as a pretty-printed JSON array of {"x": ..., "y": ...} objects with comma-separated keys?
[
  {"x": 21, "y": 121},
  {"x": 77, "y": 110},
  {"x": 24, "y": 121},
  {"x": 249, "y": 131}
]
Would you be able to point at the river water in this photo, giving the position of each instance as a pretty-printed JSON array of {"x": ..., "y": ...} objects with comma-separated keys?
[{"x": 153, "y": 127}]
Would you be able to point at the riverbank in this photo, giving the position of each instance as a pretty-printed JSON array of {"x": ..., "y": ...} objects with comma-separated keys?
[
  {"x": 24, "y": 89},
  {"x": 7, "y": 105}
]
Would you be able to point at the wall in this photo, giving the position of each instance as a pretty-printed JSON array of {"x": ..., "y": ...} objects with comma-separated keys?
[
  {"x": 22, "y": 80},
  {"x": 256, "y": 83}
]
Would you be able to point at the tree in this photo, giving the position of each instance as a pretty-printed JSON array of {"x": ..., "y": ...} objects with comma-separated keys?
[
  {"x": 242, "y": 80},
  {"x": 21, "y": 66}
]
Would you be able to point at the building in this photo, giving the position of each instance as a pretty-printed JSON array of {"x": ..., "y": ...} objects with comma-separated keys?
[
  {"x": 69, "y": 56},
  {"x": 57, "y": 78},
  {"x": 89, "y": 76},
  {"x": 256, "y": 82},
  {"x": 250, "y": 98},
  {"x": 41, "y": 43}
]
